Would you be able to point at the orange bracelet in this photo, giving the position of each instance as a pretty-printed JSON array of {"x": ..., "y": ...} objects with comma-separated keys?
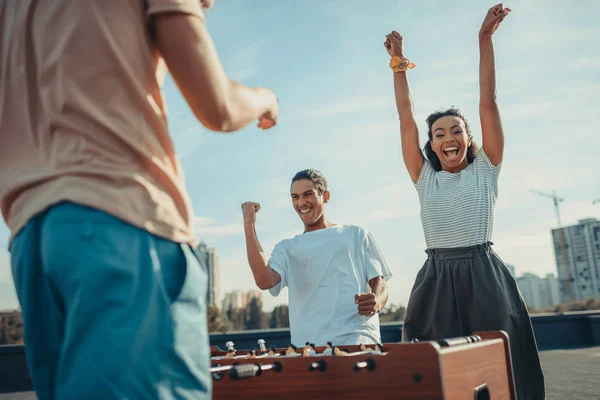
[{"x": 400, "y": 64}]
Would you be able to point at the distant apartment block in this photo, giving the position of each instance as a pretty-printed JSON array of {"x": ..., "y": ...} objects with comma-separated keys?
[
  {"x": 577, "y": 252},
  {"x": 539, "y": 293}
]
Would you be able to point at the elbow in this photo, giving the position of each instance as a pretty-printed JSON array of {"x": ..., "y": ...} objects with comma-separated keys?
[
  {"x": 263, "y": 282},
  {"x": 263, "y": 285},
  {"x": 217, "y": 113},
  {"x": 219, "y": 119},
  {"x": 219, "y": 126}
]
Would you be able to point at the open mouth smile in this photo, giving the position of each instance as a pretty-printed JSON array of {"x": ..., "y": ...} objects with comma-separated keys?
[
  {"x": 304, "y": 211},
  {"x": 451, "y": 153}
]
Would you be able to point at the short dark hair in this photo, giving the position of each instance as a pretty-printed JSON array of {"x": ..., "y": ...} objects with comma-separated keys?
[
  {"x": 316, "y": 177},
  {"x": 430, "y": 154}
]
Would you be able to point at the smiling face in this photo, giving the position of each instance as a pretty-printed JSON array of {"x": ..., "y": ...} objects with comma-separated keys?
[
  {"x": 450, "y": 142},
  {"x": 308, "y": 202}
]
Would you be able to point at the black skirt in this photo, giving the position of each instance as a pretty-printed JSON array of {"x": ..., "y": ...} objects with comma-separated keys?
[{"x": 462, "y": 290}]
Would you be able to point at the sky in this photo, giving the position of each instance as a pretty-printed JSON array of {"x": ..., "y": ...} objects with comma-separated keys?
[{"x": 328, "y": 66}]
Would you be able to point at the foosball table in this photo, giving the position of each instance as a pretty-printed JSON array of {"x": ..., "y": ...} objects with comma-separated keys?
[{"x": 472, "y": 367}]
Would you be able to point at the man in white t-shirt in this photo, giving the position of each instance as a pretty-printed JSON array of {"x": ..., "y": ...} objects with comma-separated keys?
[{"x": 336, "y": 274}]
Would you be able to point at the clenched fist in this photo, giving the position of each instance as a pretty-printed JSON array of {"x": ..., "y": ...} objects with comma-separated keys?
[
  {"x": 367, "y": 304},
  {"x": 493, "y": 18},
  {"x": 269, "y": 118},
  {"x": 249, "y": 210},
  {"x": 394, "y": 44}
]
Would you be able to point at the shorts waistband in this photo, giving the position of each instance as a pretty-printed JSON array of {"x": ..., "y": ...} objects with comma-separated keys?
[{"x": 459, "y": 252}]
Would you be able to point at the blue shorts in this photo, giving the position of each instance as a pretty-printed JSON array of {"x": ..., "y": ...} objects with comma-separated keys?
[{"x": 110, "y": 311}]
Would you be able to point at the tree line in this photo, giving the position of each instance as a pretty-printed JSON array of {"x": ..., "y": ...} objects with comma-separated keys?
[
  {"x": 252, "y": 317},
  {"x": 248, "y": 318},
  {"x": 11, "y": 328},
  {"x": 581, "y": 305}
]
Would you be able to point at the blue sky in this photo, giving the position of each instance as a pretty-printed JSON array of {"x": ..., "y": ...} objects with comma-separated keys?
[{"x": 327, "y": 64}]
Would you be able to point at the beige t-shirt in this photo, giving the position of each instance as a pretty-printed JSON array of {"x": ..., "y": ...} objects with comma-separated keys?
[{"x": 82, "y": 117}]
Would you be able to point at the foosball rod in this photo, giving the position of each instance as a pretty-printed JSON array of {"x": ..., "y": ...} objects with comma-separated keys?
[
  {"x": 222, "y": 368},
  {"x": 360, "y": 353}
]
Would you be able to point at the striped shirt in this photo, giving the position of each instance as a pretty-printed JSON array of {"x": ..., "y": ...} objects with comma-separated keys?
[{"x": 457, "y": 209}]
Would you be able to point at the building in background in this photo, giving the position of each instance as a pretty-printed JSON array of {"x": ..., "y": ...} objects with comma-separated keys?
[
  {"x": 539, "y": 293},
  {"x": 577, "y": 252},
  {"x": 511, "y": 269},
  {"x": 211, "y": 259},
  {"x": 240, "y": 299}
]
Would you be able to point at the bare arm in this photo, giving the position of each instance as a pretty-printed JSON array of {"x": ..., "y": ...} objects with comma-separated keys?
[
  {"x": 491, "y": 125},
  {"x": 219, "y": 103},
  {"x": 264, "y": 276},
  {"x": 409, "y": 134},
  {"x": 371, "y": 303}
]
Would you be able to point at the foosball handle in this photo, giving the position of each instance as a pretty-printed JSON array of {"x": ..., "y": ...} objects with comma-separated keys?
[
  {"x": 244, "y": 371},
  {"x": 459, "y": 340}
]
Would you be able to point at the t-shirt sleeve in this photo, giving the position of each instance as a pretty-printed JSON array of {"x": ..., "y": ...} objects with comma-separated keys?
[
  {"x": 485, "y": 167},
  {"x": 426, "y": 175},
  {"x": 279, "y": 263},
  {"x": 485, "y": 162},
  {"x": 192, "y": 7},
  {"x": 375, "y": 263}
]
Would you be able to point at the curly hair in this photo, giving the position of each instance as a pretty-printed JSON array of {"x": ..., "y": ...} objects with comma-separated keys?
[{"x": 430, "y": 154}]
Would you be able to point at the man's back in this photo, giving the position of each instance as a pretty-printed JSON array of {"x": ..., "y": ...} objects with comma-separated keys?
[
  {"x": 85, "y": 162},
  {"x": 81, "y": 113}
]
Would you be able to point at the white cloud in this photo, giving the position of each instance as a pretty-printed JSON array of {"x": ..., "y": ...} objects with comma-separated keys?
[
  {"x": 531, "y": 110},
  {"x": 541, "y": 37},
  {"x": 452, "y": 62},
  {"x": 585, "y": 62},
  {"x": 244, "y": 64},
  {"x": 205, "y": 226},
  {"x": 388, "y": 199},
  {"x": 350, "y": 105}
]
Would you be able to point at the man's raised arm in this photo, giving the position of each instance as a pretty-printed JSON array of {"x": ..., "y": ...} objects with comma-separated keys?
[
  {"x": 264, "y": 276},
  {"x": 219, "y": 103}
]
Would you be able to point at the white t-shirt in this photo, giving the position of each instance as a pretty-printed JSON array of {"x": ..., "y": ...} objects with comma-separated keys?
[{"x": 323, "y": 270}]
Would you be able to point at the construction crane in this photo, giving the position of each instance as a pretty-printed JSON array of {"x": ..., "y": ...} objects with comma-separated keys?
[
  {"x": 556, "y": 200},
  {"x": 560, "y": 234}
]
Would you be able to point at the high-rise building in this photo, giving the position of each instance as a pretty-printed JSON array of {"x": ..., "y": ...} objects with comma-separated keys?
[
  {"x": 211, "y": 259},
  {"x": 240, "y": 299},
  {"x": 577, "y": 252},
  {"x": 539, "y": 293}
]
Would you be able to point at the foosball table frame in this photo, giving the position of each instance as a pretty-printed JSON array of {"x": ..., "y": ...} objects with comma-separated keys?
[{"x": 445, "y": 369}]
